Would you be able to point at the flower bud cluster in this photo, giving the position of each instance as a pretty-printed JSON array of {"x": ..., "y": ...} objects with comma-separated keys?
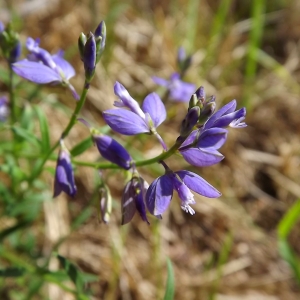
[
  {"x": 9, "y": 43},
  {"x": 91, "y": 48}
]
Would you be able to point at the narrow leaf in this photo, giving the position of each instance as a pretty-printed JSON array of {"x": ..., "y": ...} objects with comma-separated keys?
[
  {"x": 12, "y": 272},
  {"x": 289, "y": 220},
  {"x": 44, "y": 128},
  {"x": 26, "y": 135},
  {"x": 81, "y": 147},
  {"x": 72, "y": 272}
]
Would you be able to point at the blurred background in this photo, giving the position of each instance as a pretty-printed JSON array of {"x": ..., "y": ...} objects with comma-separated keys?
[{"x": 243, "y": 245}]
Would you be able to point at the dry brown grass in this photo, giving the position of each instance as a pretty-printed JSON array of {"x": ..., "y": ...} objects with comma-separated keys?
[{"x": 259, "y": 177}]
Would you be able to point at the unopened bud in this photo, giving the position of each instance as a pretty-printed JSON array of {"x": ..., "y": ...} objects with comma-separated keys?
[
  {"x": 189, "y": 121},
  {"x": 81, "y": 43},
  {"x": 89, "y": 57},
  {"x": 105, "y": 204},
  {"x": 100, "y": 36}
]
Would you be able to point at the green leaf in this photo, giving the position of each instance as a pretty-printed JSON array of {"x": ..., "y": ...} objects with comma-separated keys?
[
  {"x": 45, "y": 136},
  {"x": 12, "y": 272},
  {"x": 81, "y": 147},
  {"x": 26, "y": 135},
  {"x": 26, "y": 118},
  {"x": 72, "y": 272},
  {"x": 8, "y": 231},
  {"x": 170, "y": 288},
  {"x": 289, "y": 220}
]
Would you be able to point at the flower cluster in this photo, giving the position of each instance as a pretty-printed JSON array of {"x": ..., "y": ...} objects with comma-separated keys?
[{"x": 202, "y": 133}]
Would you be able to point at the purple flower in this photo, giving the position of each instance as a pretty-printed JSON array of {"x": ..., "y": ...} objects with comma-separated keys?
[
  {"x": 201, "y": 147},
  {"x": 41, "y": 67},
  {"x": 111, "y": 150},
  {"x": 64, "y": 175},
  {"x": 227, "y": 116},
  {"x": 160, "y": 192},
  {"x": 133, "y": 199},
  {"x": 179, "y": 90},
  {"x": 136, "y": 120},
  {"x": 4, "y": 110}
]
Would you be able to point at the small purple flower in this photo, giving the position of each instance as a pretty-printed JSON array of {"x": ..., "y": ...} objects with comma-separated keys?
[
  {"x": 64, "y": 175},
  {"x": 160, "y": 192},
  {"x": 133, "y": 199},
  {"x": 41, "y": 67},
  {"x": 179, "y": 90},
  {"x": 4, "y": 110},
  {"x": 136, "y": 120},
  {"x": 111, "y": 150},
  {"x": 227, "y": 116},
  {"x": 201, "y": 147}
]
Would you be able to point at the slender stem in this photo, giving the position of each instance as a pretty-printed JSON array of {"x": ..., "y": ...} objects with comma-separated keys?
[
  {"x": 13, "y": 108},
  {"x": 70, "y": 125},
  {"x": 140, "y": 163}
]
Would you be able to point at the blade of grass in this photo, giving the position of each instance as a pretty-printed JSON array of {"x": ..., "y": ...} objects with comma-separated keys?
[
  {"x": 224, "y": 254},
  {"x": 258, "y": 19},
  {"x": 289, "y": 220},
  {"x": 170, "y": 287},
  {"x": 191, "y": 24},
  {"x": 215, "y": 36}
]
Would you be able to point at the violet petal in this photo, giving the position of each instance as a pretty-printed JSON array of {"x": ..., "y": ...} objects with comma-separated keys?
[
  {"x": 125, "y": 122},
  {"x": 198, "y": 184},
  {"x": 202, "y": 157},
  {"x": 35, "y": 72},
  {"x": 156, "y": 109},
  {"x": 159, "y": 195}
]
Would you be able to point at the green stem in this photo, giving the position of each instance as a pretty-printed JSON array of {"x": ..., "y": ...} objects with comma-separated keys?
[
  {"x": 140, "y": 163},
  {"x": 12, "y": 101},
  {"x": 70, "y": 125}
]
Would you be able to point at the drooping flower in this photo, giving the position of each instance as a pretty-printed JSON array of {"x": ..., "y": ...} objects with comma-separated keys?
[
  {"x": 160, "y": 192},
  {"x": 133, "y": 199},
  {"x": 4, "y": 110},
  {"x": 111, "y": 150},
  {"x": 64, "y": 175},
  {"x": 41, "y": 67},
  {"x": 178, "y": 90},
  {"x": 135, "y": 120}
]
